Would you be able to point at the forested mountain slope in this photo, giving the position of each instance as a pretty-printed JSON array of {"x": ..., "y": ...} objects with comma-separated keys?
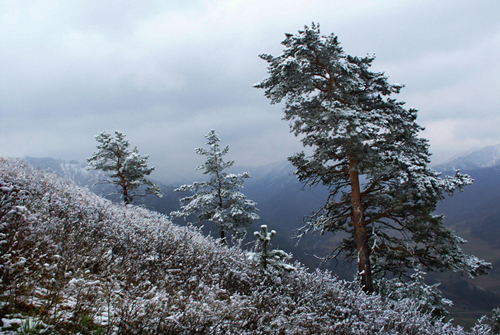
[{"x": 79, "y": 263}]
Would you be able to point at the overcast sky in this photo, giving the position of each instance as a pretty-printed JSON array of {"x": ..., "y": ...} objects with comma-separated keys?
[{"x": 166, "y": 72}]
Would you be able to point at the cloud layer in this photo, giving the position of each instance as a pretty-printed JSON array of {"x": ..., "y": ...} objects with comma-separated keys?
[{"x": 166, "y": 72}]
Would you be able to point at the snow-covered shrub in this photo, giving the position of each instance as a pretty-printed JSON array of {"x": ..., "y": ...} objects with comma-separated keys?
[
  {"x": 488, "y": 325},
  {"x": 25, "y": 258},
  {"x": 97, "y": 267},
  {"x": 494, "y": 321},
  {"x": 427, "y": 298},
  {"x": 19, "y": 324}
]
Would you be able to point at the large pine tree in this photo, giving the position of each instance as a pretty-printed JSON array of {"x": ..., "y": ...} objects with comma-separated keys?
[
  {"x": 366, "y": 149},
  {"x": 218, "y": 200}
]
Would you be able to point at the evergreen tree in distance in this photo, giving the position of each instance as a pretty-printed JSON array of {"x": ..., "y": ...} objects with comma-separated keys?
[
  {"x": 127, "y": 168},
  {"x": 366, "y": 149},
  {"x": 218, "y": 200}
]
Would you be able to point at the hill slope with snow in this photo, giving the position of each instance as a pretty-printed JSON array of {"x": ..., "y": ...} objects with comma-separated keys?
[{"x": 80, "y": 264}]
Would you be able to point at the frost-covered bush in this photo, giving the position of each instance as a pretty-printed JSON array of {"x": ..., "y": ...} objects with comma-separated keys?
[
  {"x": 95, "y": 267},
  {"x": 26, "y": 259},
  {"x": 488, "y": 325},
  {"x": 427, "y": 297}
]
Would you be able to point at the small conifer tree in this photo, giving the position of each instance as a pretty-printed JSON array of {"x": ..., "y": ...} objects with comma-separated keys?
[
  {"x": 276, "y": 257},
  {"x": 218, "y": 200},
  {"x": 127, "y": 168}
]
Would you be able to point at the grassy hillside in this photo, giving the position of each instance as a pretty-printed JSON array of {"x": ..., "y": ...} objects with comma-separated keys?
[{"x": 73, "y": 262}]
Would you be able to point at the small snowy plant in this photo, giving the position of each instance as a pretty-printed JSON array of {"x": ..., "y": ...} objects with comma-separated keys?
[
  {"x": 218, "y": 200},
  {"x": 127, "y": 168},
  {"x": 266, "y": 257}
]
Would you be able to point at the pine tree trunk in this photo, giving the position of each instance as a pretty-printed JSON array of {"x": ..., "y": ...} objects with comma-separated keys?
[
  {"x": 123, "y": 182},
  {"x": 126, "y": 198},
  {"x": 358, "y": 221},
  {"x": 220, "y": 203}
]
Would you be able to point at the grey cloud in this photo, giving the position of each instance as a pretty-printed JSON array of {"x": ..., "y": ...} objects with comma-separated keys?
[{"x": 166, "y": 72}]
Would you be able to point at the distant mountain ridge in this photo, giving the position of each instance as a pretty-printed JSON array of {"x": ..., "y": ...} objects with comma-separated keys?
[
  {"x": 67, "y": 169},
  {"x": 483, "y": 158}
]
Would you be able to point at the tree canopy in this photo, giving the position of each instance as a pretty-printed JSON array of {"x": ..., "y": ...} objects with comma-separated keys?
[
  {"x": 127, "y": 169},
  {"x": 218, "y": 200},
  {"x": 366, "y": 148}
]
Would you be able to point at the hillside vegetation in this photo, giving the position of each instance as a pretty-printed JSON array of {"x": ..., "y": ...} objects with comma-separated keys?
[{"x": 73, "y": 262}]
